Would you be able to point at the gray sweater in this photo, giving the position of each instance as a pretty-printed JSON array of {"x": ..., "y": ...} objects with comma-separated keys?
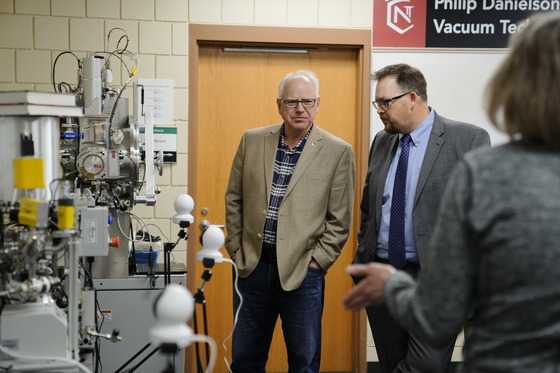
[{"x": 495, "y": 259}]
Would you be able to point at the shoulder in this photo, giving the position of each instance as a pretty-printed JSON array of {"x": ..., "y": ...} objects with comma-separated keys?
[
  {"x": 328, "y": 138},
  {"x": 488, "y": 157},
  {"x": 383, "y": 139},
  {"x": 260, "y": 131},
  {"x": 455, "y": 126},
  {"x": 486, "y": 173}
]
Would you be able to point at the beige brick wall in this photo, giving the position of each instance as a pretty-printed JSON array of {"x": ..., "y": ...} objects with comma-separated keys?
[{"x": 34, "y": 32}]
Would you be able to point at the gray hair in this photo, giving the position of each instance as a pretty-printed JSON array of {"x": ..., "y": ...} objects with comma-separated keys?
[
  {"x": 523, "y": 97},
  {"x": 300, "y": 74}
]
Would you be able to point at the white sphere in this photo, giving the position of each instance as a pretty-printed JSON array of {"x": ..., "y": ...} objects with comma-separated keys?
[
  {"x": 183, "y": 204},
  {"x": 213, "y": 238},
  {"x": 175, "y": 304},
  {"x": 173, "y": 309}
]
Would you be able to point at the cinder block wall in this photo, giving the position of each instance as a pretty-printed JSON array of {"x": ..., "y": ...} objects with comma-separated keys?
[{"x": 34, "y": 32}]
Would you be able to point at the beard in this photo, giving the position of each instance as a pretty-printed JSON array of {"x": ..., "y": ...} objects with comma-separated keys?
[{"x": 390, "y": 127}]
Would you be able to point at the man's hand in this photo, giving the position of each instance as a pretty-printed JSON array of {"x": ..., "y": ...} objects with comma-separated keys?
[
  {"x": 313, "y": 264},
  {"x": 370, "y": 290}
]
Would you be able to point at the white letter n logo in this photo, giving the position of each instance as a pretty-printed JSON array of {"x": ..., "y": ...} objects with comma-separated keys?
[{"x": 394, "y": 13}]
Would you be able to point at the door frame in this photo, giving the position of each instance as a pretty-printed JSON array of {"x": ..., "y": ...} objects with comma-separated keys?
[{"x": 285, "y": 37}]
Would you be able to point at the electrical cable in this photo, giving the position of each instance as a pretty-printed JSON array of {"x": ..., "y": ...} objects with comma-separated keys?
[
  {"x": 120, "y": 51},
  {"x": 128, "y": 70},
  {"x": 123, "y": 36},
  {"x": 196, "y": 348},
  {"x": 212, "y": 344},
  {"x": 110, "y": 121},
  {"x": 54, "y": 72},
  {"x": 53, "y": 191},
  {"x": 98, "y": 363},
  {"x": 136, "y": 172},
  {"x": 143, "y": 224},
  {"x": 236, "y": 312},
  {"x": 160, "y": 231},
  {"x": 88, "y": 278}
]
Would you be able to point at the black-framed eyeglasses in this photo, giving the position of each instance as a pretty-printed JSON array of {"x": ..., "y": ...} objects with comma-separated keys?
[
  {"x": 306, "y": 102},
  {"x": 384, "y": 104}
]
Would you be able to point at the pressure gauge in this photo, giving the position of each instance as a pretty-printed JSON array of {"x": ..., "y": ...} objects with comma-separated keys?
[{"x": 91, "y": 164}]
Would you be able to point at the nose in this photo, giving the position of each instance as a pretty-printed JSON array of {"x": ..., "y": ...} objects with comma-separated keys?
[{"x": 299, "y": 106}]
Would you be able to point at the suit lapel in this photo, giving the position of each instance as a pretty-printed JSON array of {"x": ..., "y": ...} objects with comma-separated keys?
[
  {"x": 312, "y": 147},
  {"x": 432, "y": 151},
  {"x": 270, "y": 148}
]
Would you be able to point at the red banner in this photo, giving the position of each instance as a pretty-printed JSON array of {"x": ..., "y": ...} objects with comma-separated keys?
[
  {"x": 399, "y": 23},
  {"x": 452, "y": 23}
]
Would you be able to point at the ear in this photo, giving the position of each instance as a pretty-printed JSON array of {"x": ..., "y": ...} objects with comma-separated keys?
[
  {"x": 415, "y": 99},
  {"x": 279, "y": 104}
]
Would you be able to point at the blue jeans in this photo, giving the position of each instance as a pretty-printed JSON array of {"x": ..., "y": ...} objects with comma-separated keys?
[{"x": 264, "y": 300}]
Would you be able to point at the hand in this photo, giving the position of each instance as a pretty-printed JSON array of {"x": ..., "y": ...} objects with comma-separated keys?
[
  {"x": 370, "y": 290},
  {"x": 313, "y": 264}
]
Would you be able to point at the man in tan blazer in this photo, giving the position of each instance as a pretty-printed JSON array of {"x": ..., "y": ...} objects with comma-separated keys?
[{"x": 288, "y": 214}]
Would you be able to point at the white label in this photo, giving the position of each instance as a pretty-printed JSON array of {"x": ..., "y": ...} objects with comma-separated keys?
[{"x": 91, "y": 231}]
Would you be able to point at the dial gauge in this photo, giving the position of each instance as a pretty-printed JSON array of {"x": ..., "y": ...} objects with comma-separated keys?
[{"x": 91, "y": 165}]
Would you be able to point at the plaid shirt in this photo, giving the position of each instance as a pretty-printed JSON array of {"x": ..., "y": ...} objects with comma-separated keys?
[{"x": 284, "y": 165}]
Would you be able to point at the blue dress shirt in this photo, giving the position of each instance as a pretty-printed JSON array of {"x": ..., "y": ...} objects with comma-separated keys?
[{"x": 420, "y": 137}]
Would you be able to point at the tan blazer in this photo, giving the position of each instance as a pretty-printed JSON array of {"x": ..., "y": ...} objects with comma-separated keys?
[{"x": 315, "y": 215}]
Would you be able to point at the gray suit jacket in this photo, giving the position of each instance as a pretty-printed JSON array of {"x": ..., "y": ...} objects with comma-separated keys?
[
  {"x": 315, "y": 215},
  {"x": 449, "y": 141}
]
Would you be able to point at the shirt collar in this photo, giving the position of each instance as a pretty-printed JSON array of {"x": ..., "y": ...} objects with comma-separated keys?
[
  {"x": 300, "y": 144},
  {"x": 422, "y": 132}
]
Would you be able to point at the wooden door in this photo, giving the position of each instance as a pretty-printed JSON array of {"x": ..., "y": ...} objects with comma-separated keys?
[{"x": 237, "y": 91}]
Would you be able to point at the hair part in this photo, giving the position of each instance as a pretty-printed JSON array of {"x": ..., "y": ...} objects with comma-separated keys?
[
  {"x": 409, "y": 79},
  {"x": 523, "y": 96},
  {"x": 307, "y": 75}
]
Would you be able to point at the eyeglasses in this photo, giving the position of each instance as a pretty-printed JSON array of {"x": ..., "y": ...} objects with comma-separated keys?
[
  {"x": 384, "y": 104},
  {"x": 306, "y": 102}
]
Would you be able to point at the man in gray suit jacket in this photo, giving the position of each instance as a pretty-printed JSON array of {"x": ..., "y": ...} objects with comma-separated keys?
[
  {"x": 288, "y": 214},
  {"x": 434, "y": 145}
]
